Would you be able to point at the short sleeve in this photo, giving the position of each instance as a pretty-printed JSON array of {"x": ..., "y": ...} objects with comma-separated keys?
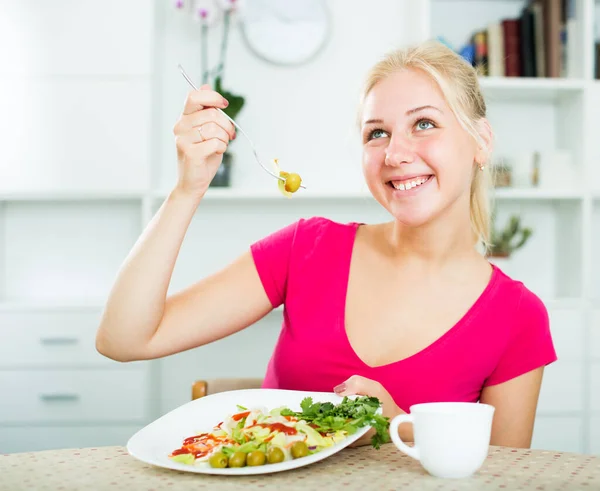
[
  {"x": 530, "y": 344},
  {"x": 271, "y": 256}
]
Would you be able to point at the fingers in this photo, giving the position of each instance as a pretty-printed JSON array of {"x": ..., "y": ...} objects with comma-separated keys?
[
  {"x": 210, "y": 147},
  {"x": 357, "y": 385},
  {"x": 363, "y": 440},
  {"x": 197, "y": 119},
  {"x": 204, "y": 97},
  {"x": 210, "y": 115},
  {"x": 191, "y": 147},
  {"x": 207, "y": 131}
]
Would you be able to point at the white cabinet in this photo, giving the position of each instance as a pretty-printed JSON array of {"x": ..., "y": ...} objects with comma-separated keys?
[
  {"x": 49, "y": 338},
  {"x": 76, "y": 97},
  {"x": 57, "y": 390},
  {"x": 73, "y": 396}
]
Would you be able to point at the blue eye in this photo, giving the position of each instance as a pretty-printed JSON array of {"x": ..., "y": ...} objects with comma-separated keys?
[
  {"x": 424, "y": 124},
  {"x": 377, "y": 134}
]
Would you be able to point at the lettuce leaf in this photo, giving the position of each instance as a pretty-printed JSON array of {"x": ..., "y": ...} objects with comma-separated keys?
[{"x": 349, "y": 415}]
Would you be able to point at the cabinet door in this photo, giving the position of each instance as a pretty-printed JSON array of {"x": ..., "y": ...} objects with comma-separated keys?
[
  {"x": 72, "y": 396},
  {"x": 49, "y": 338}
]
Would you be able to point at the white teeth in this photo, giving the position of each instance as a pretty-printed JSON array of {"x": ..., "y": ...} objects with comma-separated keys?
[{"x": 409, "y": 185}]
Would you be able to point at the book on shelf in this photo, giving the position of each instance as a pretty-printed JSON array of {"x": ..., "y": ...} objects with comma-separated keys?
[
  {"x": 538, "y": 43},
  {"x": 597, "y": 60}
]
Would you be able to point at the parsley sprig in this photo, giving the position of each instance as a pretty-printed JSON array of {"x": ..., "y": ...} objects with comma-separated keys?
[{"x": 349, "y": 415}]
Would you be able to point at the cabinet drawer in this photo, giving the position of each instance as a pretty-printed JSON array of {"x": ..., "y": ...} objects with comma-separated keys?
[
  {"x": 36, "y": 438},
  {"x": 45, "y": 338},
  {"x": 72, "y": 396}
]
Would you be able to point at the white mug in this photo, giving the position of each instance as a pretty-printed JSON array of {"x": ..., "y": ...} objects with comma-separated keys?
[{"x": 451, "y": 439}]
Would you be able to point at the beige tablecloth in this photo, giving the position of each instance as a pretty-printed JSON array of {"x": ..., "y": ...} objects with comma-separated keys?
[{"x": 364, "y": 468}]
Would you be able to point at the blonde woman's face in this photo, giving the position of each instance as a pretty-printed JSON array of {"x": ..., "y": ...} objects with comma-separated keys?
[{"x": 417, "y": 158}]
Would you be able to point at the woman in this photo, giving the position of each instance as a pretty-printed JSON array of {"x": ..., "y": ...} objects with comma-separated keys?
[{"x": 408, "y": 311}]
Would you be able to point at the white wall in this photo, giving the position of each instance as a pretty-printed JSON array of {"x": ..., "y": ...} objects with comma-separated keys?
[{"x": 302, "y": 115}]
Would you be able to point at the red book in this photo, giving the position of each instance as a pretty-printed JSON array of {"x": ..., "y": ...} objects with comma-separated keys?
[{"x": 512, "y": 47}]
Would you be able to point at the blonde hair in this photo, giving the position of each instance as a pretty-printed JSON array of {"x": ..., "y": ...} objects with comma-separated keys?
[{"x": 459, "y": 84}]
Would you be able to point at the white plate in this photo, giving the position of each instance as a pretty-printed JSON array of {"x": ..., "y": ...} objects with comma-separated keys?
[{"x": 153, "y": 443}]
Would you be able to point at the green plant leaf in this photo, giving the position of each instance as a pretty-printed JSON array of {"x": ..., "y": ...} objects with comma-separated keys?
[{"x": 503, "y": 241}]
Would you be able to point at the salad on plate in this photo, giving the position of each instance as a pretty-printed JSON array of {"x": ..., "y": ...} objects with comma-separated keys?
[{"x": 257, "y": 436}]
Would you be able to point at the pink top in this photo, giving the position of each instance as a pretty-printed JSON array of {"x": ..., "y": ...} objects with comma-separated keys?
[{"x": 305, "y": 266}]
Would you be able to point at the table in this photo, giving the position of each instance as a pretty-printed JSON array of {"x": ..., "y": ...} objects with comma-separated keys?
[{"x": 111, "y": 468}]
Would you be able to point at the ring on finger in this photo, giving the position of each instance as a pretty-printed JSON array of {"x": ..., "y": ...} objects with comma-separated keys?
[{"x": 199, "y": 128}]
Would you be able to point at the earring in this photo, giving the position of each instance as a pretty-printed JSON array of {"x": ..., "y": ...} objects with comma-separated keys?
[{"x": 481, "y": 167}]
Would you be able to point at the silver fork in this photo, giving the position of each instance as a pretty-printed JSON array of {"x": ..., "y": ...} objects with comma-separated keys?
[{"x": 185, "y": 75}]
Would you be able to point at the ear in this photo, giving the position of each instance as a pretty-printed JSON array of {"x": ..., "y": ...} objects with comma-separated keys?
[{"x": 487, "y": 138}]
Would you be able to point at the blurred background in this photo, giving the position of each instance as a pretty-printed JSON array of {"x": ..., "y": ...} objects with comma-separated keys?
[{"x": 89, "y": 94}]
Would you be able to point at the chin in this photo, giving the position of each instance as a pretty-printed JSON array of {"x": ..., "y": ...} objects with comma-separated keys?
[
  {"x": 414, "y": 208},
  {"x": 412, "y": 218}
]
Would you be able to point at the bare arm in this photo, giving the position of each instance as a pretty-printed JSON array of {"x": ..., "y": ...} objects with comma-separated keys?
[
  {"x": 516, "y": 404},
  {"x": 139, "y": 322}
]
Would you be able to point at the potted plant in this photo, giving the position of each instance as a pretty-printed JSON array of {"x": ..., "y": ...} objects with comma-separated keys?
[
  {"x": 504, "y": 242},
  {"x": 209, "y": 13}
]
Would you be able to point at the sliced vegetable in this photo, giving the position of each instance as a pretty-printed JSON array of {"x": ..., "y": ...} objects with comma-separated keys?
[
  {"x": 184, "y": 458},
  {"x": 258, "y": 437}
]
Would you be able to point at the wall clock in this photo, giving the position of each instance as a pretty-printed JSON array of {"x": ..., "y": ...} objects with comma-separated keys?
[{"x": 285, "y": 32}]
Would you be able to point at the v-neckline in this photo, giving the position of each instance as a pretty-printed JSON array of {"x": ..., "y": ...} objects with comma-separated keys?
[{"x": 464, "y": 320}]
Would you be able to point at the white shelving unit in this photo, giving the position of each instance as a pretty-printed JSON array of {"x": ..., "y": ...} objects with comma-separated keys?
[{"x": 73, "y": 202}]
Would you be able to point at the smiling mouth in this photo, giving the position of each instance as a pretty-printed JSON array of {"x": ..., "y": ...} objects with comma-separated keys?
[{"x": 406, "y": 185}]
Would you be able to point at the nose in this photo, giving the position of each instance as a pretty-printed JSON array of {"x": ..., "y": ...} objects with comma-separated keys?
[{"x": 399, "y": 151}]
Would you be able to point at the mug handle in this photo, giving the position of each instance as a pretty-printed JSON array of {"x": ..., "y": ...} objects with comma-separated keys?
[{"x": 403, "y": 447}]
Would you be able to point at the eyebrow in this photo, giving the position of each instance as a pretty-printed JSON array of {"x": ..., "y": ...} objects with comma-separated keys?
[
  {"x": 422, "y": 108},
  {"x": 408, "y": 113}
]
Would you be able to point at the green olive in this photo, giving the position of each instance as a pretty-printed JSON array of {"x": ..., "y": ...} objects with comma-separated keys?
[
  {"x": 275, "y": 455},
  {"x": 257, "y": 457},
  {"x": 238, "y": 459},
  {"x": 292, "y": 182},
  {"x": 299, "y": 449},
  {"x": 218, "y": 459}
]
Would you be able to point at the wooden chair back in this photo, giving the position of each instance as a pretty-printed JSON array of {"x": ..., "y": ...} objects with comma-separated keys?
[{"x": 201, "y": 388}]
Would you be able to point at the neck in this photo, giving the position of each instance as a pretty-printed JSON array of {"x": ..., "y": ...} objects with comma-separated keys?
[{"x": 447, "y": 238}]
